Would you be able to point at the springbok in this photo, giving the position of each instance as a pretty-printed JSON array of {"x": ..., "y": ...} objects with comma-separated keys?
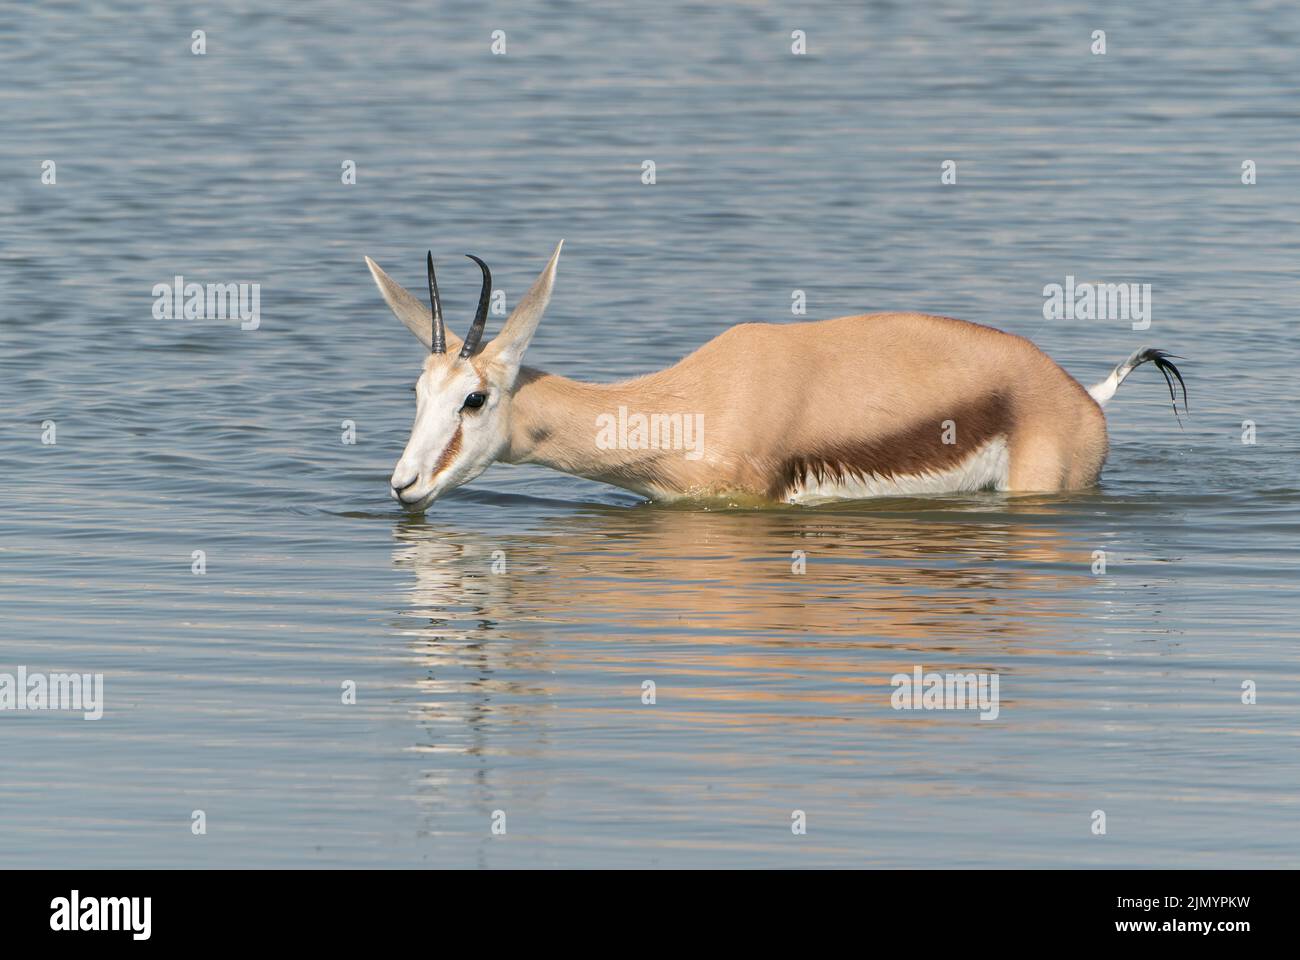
[{"x": 863, "y": 406}]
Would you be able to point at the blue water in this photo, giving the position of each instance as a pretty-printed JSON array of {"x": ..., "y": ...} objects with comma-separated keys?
[{"x": 521, "y": 691}]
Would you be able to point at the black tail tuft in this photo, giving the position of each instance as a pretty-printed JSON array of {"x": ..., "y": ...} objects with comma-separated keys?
[{"x": 1161, "y": 360}]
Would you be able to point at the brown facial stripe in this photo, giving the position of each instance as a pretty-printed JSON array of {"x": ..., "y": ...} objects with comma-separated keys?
[
  {"x": 450, "y": 451},
  {"x": 916, "y": 448}
]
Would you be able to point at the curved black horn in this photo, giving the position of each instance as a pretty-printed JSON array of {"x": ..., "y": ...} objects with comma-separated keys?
[
  {"x": 480, "y": 319},
  {"x": 437, "y": 342}
]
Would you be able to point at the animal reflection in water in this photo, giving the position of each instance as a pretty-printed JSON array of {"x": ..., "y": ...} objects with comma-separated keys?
[
  {"x": 982, "y": 577},
  {"x": 519, "y": 674}
]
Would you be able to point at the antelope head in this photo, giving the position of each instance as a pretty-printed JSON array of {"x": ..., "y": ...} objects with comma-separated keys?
[{"x": 462, "y": 406}]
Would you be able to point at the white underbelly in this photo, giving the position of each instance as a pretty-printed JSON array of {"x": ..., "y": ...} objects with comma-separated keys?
[{"x": 987, "y": 468}]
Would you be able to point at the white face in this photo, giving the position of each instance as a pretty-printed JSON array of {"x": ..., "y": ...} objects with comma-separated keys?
[
  {"x": 460, "y": 428},
  {"x": 462, "y": 407}
]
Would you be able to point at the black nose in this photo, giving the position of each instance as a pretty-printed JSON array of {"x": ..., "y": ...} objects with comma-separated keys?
[{"x": 399, "y": 487}]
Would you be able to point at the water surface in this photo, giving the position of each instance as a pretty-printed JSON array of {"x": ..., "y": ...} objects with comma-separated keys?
[{"x": 521, "y": 690}]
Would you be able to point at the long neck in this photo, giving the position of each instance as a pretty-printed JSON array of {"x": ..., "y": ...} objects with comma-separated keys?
[{"x": 555, "y": 421}]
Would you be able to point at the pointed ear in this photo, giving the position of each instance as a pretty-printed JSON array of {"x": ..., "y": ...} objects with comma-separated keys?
[
  {"x": 510, "y": 344},
  {"x": 417, "y": 315}
]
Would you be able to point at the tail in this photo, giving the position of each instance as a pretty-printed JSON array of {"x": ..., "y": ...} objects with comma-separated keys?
[{"x": 1103, "y": 391}]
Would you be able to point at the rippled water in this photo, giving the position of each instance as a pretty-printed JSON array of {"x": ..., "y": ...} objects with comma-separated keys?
[{"x": 521, "y": 690}]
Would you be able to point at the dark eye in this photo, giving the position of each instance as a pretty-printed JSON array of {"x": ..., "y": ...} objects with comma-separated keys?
[{"x": 475, "y": 400}]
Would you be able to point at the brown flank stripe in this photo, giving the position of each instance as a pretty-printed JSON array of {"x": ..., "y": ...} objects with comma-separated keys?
[{"x": 912, "y": 450}]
